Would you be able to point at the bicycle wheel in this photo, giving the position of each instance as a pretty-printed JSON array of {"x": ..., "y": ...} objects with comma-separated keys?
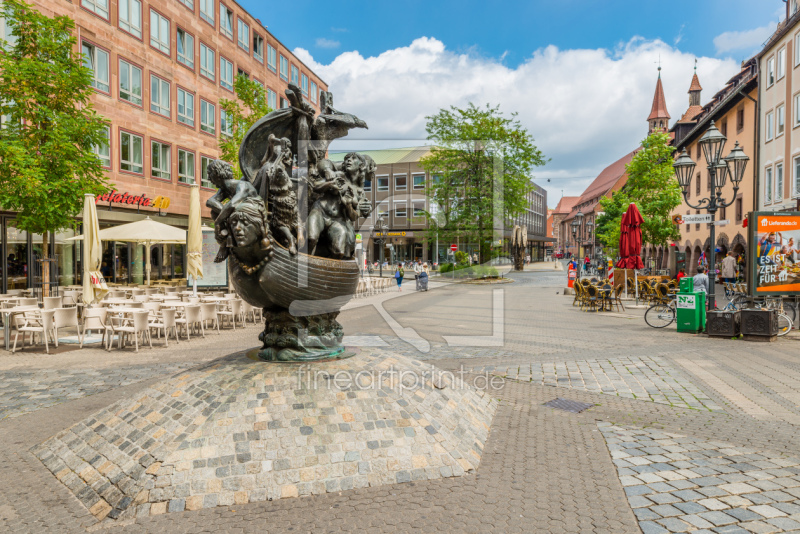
[
  {"x": 790, "y": 310},
  {"x": 784, "y": 324},
  {"x": 659, "y": 315}
]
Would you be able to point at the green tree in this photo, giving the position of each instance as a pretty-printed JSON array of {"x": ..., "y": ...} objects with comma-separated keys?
[
  {"x": 482, "y": 163},
  {"x": 49, "y": 127},
  {"x": 652, "y": 186},
  {"x": 249, "y": 106}
]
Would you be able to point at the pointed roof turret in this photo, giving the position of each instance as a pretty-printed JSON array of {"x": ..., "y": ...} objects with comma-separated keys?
[
  {"x": 659, "y": 109},
  {"x": 695, "y": 83}
]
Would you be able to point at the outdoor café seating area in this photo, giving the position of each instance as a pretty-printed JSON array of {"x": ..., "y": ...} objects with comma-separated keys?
[
  {"x": 600, "y": 294},
  {"x": 127, "y": 316}
]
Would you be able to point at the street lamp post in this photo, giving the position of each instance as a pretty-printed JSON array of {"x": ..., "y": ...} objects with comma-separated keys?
[
  {"x": 590, "y": 235},
  {"x": 718, "y": 169},
  {"x": 380, "y": 228}
]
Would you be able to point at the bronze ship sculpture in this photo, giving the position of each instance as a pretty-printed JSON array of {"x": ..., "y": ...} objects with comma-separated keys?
[{"x": 287, "y": 227}]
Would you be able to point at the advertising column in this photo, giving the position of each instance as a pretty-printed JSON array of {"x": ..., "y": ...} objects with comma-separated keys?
[{"x": 775, "y": 253}]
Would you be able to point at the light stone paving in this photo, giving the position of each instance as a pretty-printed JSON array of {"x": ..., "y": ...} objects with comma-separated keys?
[
  {"x": 22, "y": 392},
  {"x": 237, "y": 431},
  {"x": 644, "y": 378},
  {"x": 676, "y": 483}
]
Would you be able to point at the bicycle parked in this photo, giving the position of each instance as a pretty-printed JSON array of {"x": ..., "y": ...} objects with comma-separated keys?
[{"x": 787, "y": 311}]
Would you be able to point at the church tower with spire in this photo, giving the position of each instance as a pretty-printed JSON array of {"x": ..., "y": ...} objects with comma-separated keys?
[
  {"x": 659, "y": 117},
  {"x": 688, "y": 120}
]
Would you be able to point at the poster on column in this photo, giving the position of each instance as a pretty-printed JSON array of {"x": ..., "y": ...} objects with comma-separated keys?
[
  {"x": 214, "y": 274},
  {"x": 775, "y": 247}
]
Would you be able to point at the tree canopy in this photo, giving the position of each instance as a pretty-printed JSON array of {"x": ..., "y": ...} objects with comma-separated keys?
[
  {"x": 652, "y": 186},
  {"x": 249, "y": 106},
  {"x": 481, "y": 162},
  {"x": 48, "y": 128}
]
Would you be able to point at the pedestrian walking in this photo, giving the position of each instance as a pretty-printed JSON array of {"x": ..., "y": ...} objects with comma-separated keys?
[
  {"x": 398, "y": 276},
  {"x": 729, "y": 268}
]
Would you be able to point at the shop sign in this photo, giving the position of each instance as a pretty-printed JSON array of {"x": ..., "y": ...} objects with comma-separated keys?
[
  {"x": 393, "y": 234},
  {"x": 140, "y": 201},
  {"x": 774, "y": 241}
]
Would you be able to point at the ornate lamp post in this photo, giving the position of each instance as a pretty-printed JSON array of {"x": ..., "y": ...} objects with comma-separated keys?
[
  {"x": 590, "y": 235},
  {"x": 719, "y": 169},
  {"x": 379, "y": 228}
]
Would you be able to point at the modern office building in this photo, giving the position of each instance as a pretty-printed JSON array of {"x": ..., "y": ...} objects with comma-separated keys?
[{"x": 161, "y": 68}]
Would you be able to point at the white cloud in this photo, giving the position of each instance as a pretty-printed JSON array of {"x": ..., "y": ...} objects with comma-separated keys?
[
  {"x": 322, "y": 42},
  {"x": 744, "y": 40},
  {"x": 585, "y": 108}
]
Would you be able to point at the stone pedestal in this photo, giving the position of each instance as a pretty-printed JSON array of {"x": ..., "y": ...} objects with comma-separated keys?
[{"x": 239, "y": 430}]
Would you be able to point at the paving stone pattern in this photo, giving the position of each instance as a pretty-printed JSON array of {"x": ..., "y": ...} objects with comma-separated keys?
[
  {"x": 23, "y": 392},
  {"x": 238, "y": 431},
  {"x": 644, "y": 378},
  {"x": 676, "y": 483}
]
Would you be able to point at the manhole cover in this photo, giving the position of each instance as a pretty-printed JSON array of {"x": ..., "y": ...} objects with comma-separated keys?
[{"x": 568, "y": 405}]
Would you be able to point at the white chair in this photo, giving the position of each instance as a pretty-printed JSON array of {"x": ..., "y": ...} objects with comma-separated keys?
[
  {"x": 95, "y": 319},
  {"x": 71, "y": 298},
  {"x": 248, "y": 310},
  {"x": 30, "y": 301},
  {"x": 117, "y": 295},
  {"x": 135, "y": 292},
  {"x": 190, "y": 318},
  {"x": 141, "y": 298},
  {"x": 138, "y": 326},
  {"x": 231, "y": 309},
  {"x": 63, "y": 318},
  {"x": 152, "y": 307},
  {"x": 152, "y": 291},
  {"x": 165, "y": 321},
  {"x": 35, "y": 323},
  {"x": 208, "y": 312}
]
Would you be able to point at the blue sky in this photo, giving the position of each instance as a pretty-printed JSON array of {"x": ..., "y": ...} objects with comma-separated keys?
[{"x": 580, "y": 73}]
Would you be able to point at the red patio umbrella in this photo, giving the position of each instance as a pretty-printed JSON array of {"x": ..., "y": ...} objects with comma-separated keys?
[{"x": 630, "y": 239}]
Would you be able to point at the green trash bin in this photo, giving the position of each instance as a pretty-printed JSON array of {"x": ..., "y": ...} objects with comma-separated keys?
[
  {"x": 690, "y": 311},
  {"x": 686, "y": 284}
]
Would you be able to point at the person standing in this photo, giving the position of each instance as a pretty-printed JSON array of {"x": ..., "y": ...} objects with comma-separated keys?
[
  {"x": 700, "y": 280},
  {"x": 398, "y": 276},
  {"x": 729, "y": 268}
]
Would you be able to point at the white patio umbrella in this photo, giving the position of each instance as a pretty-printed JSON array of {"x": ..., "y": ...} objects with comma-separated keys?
[
  {"x": 92, "y": 253},
  {"x": 146, "y": 232},
  {"x": 195, "y": 238}
]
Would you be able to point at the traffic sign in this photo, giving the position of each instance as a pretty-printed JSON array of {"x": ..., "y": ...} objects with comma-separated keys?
[{"x": 453, "y": 247}]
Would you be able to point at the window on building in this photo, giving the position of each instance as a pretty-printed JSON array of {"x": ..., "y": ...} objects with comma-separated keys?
[
  {"x": 96, "y": 59},
  {"x": 185, "y": 166},
  {"x": 185, "y": 43},
  {"x": 738, "y": 207},
  {"x": 770, "y": 71},
  {"x": 225, "y": 21},
  {"x": 240, "y": 72},
  {"x": 769, "y": 129},
  {"x": 781, "y": 68},
  {"x": 778, "y": 182},
  {"x": 723, "y": 127},
  {"x": 225, "y": 73},
  {"x": 243, "y": 35},
  {"x": 103, "y": 150},
  {"x": 796, "y": 181},
  {"x": 258, "y": 47},
  {"x": 284, "y": 103},
  {"x": 207, "y": 117},
  {"x": 160, "y": 160},
  {"x": 204, "y": 181},
  {"x": 367, "y": 184},
  {"x": 5, "y": 33},
  {"x": 272, "y": 58},
  {"x": 272, "y": 99},
  {"x": 722, "y": 213},
  {"x": 697, "y": 184},
  {"x": 304, "y": 84},
  {"x": 159, "y": 95},
  {"x": 400, "y": 182},
  {"x": 768, "y": 185},
  {"x": 188, "y": 3},
  {"x": 400, "y": 209},
  {"x": 206, "y": 61},
  {"x": 419, "y": 210},
  {"x": 207, "y": 11},
  {"x": 130, "y": 82},
  {"x": 419, "y": 181},
  {"x": 295, "y": 75},
  {"x": 225, "y": 124},
  {"x": 780, "y": 111},
  {"x": 697, "y": 226},
  {"x": 159, "y": 32},
  {"x": 314, "y": 92},
  {"x": 699, "y": 152},
  {"x": 739, "y": 119},
  {"x": 185, "y": 107},
  {"x": 131, "y": 152},
  {"x": 797, "y": 49},
  {"x": 383, "y": 183},
  {"x": 100, "y": 7},
  {"x": 284, "y": 69},
  {"x": 130, "y": 17},
  {"x": 383, "y": 210}
]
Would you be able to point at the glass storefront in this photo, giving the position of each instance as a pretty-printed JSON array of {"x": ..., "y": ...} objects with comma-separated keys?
[
  {"x": 68, "y": 254},
  {"x": 16, "y": 257}
]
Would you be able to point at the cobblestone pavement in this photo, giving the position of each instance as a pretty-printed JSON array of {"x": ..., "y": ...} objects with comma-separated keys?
[
  {"x": 542, "y": 470},
  {"x": 676, "y": 483}
]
